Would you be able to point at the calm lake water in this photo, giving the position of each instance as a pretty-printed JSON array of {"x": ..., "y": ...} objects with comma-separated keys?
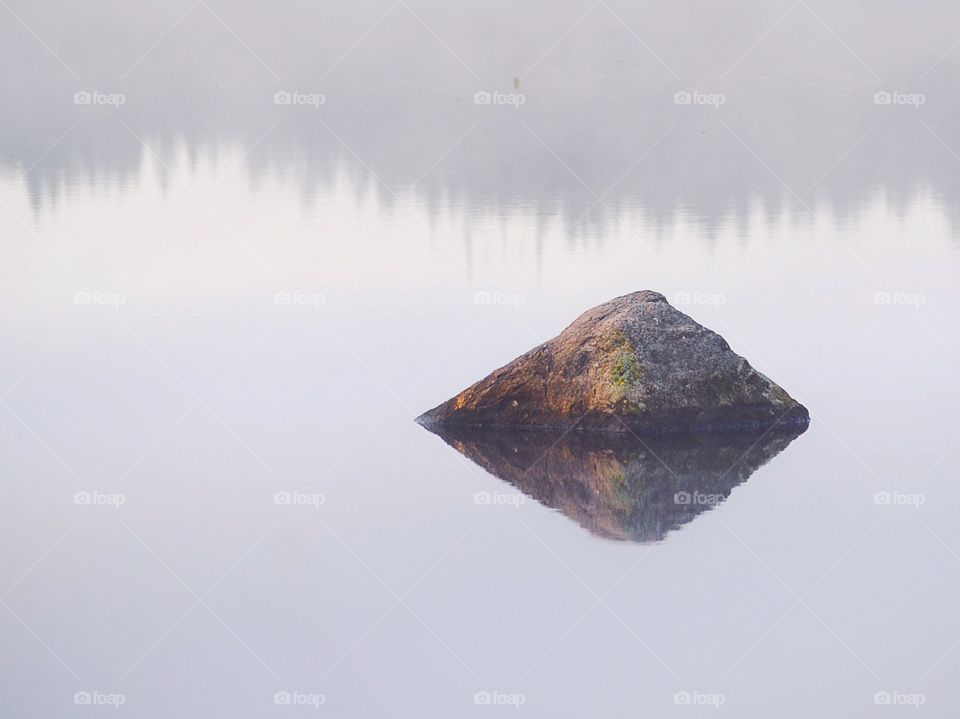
[{"x": 244, "y": 245}]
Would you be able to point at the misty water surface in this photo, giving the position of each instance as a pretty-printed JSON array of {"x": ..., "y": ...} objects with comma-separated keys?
[{"x": 221, "y": 311}]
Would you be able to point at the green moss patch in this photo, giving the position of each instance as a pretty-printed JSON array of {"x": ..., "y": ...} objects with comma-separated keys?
[{"x": 624, "y": 370}]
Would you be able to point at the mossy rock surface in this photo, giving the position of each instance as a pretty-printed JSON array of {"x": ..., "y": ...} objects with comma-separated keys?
[{"x": 633, "y": 364}]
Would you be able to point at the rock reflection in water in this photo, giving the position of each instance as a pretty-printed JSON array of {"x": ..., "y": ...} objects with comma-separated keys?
[{"x": 620, "y": 487}]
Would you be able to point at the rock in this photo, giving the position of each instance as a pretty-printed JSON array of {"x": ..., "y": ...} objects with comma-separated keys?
[
  {"x": 614, "y": 485},
  {"x": 634, "y": 364}
]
